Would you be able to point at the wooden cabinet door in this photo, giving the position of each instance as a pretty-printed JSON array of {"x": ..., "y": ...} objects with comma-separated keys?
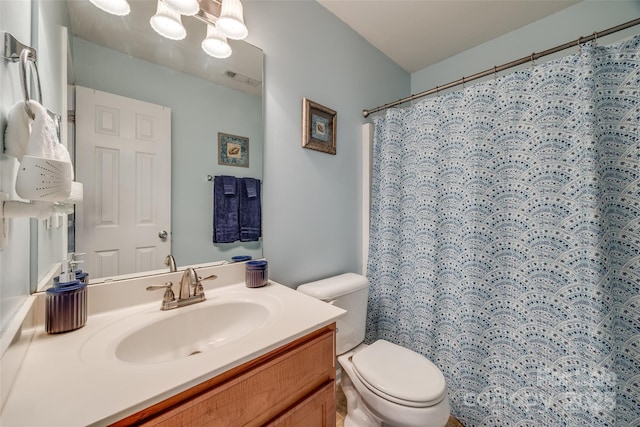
[{"x": 317, "y": 410}]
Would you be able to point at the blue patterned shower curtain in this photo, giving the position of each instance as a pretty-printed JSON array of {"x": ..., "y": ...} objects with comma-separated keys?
[{"x": 505, "y": 241}]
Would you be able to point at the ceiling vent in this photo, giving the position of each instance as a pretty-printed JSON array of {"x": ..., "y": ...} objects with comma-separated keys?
[{"x": 241, "y": 78}]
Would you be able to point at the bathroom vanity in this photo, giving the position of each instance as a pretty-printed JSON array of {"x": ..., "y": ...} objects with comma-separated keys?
[
  {"x": 244, "y": 356},
  {"x": 293, "y": 385}
]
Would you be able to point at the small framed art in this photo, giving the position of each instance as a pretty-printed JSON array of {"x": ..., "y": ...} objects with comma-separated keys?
[
  {"x": 233, "y": 150},
  {"x": 318, "y": 127}
]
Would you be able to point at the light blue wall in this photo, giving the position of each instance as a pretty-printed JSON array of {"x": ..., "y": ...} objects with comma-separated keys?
[
  {"x": 581, "y": 19},
  {"x": 15, "y": 17},
  {"x": 312, "y": 215},
  {"x": 41, "y": 29},
  {"x": 52, "y": 21},
  {"x": 199, "y": 110}
]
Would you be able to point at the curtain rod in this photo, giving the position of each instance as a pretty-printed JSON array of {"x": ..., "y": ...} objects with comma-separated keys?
[{"x": 497, "y": 69}]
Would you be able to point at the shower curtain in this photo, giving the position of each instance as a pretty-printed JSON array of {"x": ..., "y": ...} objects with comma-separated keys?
[{"x": 505, "y": 241}]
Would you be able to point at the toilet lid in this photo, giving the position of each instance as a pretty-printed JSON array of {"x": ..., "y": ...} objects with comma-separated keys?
[{"x": 399, "y": 374}]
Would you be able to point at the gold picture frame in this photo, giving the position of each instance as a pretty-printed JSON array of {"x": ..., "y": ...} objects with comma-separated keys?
[{"x": 318, "y": 127}]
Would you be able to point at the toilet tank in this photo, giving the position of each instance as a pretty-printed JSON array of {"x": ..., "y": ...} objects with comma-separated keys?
[{"x": 350, "y": 292}]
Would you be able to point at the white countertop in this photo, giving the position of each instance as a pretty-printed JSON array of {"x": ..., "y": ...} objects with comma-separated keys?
[{"x": 74, "y": 378}]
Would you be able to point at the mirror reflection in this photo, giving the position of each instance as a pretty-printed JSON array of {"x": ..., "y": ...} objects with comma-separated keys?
[{"x": 178, "y": 100}]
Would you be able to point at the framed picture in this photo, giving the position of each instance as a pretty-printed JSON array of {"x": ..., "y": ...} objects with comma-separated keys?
[
  {"x": 318, "y": 127},
  {"x": 233, "y": 150}
]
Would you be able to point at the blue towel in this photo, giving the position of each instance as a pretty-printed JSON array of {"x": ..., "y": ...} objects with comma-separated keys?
[
  {"x": 250, "y": 215},
  {"x": 226, "y": 228},
  {"x": 229, "y": 185}
]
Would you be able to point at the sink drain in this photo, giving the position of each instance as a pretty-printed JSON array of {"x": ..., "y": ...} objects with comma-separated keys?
[{"x": 195, "y": 352}]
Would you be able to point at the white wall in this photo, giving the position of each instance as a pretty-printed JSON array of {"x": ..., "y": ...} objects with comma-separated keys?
[
  {"x": 312, "y": 218},
  {"x": 581, "y": 19}
]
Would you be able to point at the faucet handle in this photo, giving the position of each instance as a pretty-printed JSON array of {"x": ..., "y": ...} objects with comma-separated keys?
[
  {"x": 198, "y": 289},
  {"x": 169, "y": 298}
]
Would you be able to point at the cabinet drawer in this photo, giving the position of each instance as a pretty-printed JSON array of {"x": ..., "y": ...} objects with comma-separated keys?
[{"x": 254, "y": 393}]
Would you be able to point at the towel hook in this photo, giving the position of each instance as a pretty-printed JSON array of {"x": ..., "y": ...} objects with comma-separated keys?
[{"x": 26, "y": 57}]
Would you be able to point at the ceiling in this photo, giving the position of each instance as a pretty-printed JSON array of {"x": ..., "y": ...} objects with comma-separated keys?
[
  {"x": 419, "y": 33},
  {"x": 413, "y": 33},
  {"x": 133, "y": 35}
]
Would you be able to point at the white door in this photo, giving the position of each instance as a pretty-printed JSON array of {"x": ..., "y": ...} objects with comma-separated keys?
[{"x": 123, "y": 158}]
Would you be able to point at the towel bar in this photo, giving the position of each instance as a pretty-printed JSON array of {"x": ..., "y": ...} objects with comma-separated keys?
[
  {"x": 15, "y": 51},
  {"x": 12, "y": 47},
  {"x": 25, "y": 57}
]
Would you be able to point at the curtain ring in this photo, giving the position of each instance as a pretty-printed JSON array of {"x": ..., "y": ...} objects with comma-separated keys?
[
  {"x": 595, "y": 39},
  {"x": 495, "y": 72},
  {"x": 25, "y": 57},
  {"x": 463, "y": 87},
  {"x": 580, "y": 45},
  {"x": 533, "y": 59}
]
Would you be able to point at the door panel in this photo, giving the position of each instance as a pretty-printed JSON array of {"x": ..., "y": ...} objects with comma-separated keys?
[{"x": 123, "y": 157}]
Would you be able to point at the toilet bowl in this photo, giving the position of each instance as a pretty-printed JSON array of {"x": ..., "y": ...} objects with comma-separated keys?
[
  {"x": 391, "y": 385},
  {"x": 385, "y": 384}
]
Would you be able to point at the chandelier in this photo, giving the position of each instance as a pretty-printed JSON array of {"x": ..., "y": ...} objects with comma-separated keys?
[{"x": 224, "y": 19}]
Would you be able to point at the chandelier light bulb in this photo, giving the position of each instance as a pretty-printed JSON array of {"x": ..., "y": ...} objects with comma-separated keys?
[
  {"x": 168, "y": 23},
  {"x": 114, "y": 7},
  {"x": 184, "y": 7},
  {"x": 231, "y": 21},
  {"x": 215, "y": 44}
]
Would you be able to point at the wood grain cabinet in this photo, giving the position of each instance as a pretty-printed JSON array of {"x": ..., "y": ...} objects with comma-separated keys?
[{"x": 291, "y": 386}]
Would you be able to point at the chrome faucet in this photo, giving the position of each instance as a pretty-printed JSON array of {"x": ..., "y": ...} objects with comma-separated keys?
[
  {"x": 170, "y": 262},
  {"x": 189, "y": 280}
]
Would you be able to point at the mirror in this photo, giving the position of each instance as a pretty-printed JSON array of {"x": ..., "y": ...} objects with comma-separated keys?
[{"x": 207, "y": 96}]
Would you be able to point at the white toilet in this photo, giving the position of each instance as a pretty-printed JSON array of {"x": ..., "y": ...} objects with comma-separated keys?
[{"x": 385, "y": 384}]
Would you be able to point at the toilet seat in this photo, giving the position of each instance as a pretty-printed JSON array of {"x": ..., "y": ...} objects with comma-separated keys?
[{"x": 399, "y": 375}]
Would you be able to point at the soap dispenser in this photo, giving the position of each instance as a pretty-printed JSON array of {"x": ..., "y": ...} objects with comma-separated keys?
[
  {"x": 80, "y": 275},
  {"x": 66, "y": 301}
]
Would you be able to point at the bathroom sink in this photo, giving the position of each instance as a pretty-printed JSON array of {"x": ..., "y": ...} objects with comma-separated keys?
[{"x": 192, "y": 331}]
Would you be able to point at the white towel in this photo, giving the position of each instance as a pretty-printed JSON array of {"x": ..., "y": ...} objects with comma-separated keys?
[
  {"x": 37, "y": 138},
  {"x": 16, "y": 136},
  {"x": 43, "y": 141}
]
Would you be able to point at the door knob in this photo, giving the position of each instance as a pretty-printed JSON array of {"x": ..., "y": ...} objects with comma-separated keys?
[{"x": 163, "y": 235}]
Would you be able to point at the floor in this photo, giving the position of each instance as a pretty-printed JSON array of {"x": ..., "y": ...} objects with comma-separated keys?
[
  {"x": 341, "y": 411},
  {"x": 341, "y": 407}
]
